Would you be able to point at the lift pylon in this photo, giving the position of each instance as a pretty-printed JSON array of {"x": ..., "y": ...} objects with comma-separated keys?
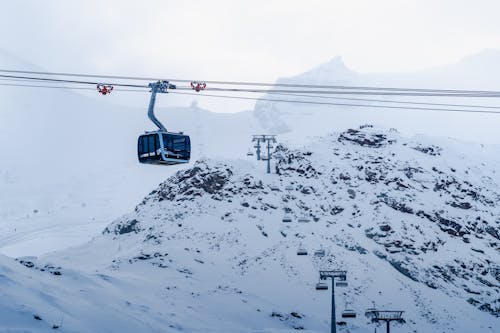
[
  {"x": 337, "y": 274},
  {"x": 388, "y": 316}
]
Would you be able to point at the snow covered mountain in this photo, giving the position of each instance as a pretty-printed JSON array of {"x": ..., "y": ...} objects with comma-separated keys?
[
  {"x": 80, "y": 169},
  {"x": 414, "y": 221}
]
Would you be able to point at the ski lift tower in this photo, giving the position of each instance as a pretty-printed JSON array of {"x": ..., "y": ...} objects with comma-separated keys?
[
  {"x": 269, "y": 139},
  {"x": 388, "y": 316},
  {"x": 342, "y": 277}
]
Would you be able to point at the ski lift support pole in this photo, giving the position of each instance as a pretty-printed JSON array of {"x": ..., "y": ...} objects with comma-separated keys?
[
  {"x": 342, "y": 276},
  {"x": 388, "y": 316},
  {"x": 269, "y": 139},
  {"x": 257, "y": 138}
]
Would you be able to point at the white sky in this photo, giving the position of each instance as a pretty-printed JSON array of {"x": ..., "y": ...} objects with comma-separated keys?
[{"x": 257, "y": 40}]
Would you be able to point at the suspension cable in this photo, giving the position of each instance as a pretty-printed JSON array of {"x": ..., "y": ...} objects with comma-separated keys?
[
  {"x": 291, "y": 101},
  {"x": 388, "y": 101},
  {"x": 71, "y": 81},
  {"x": 64, "y": 87},
  {"x": 330, "y": 92},
  {"x": 339, "y": 104},
  {"x": 262, "y": 84},
  {"x": 343, "y": 92}
]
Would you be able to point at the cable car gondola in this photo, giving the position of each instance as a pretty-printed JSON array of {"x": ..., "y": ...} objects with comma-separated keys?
[{"x": 162, "y": 147}]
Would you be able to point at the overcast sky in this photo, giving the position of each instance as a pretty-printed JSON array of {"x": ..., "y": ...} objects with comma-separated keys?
[{"x": 245, "y": 40}]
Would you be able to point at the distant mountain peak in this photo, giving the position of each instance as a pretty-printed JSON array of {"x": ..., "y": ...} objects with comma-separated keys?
[
  {"x": 336, "y": 61},
  {"x": 331, "y": 72}
]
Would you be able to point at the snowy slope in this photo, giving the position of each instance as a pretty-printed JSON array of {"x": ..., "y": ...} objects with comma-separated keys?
[{"x": 414, "y": 221}]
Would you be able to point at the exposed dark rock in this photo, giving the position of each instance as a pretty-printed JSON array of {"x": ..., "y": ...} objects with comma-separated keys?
[
  {"x": 495, "y": 232},
  {"x": 401, "y": 267},
  {"x": 395, "y": 204},
  {"x": 462, "y": 205},
  {"x": 385, "y": 227},
  {"x": 125, "y": 228},
  {"x": 364, "y": 139},
  {"x": 429, "y": 150},
  {"x": 336, "y": 210}
]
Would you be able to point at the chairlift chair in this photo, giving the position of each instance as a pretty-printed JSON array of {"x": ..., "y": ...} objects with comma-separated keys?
[
  {"x": 278, "y": 156},
  {"x": 304, "y": 219},
  {"x": 250, "y": 153},
  {"x": 370, "y": 312},
  {"x": 319, "y": 253},
  {"x": 287, "y": 218},
  {"x": 341, "y": 284},
  {"x": 289, "y": 188},
  {"x": 348, "y": 314},
  {"x": 321, "y": 286},
  {"x": 302, "y": 252}
]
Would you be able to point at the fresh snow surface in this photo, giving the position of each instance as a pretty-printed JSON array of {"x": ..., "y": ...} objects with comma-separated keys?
[{"x": 413, "y": 220}]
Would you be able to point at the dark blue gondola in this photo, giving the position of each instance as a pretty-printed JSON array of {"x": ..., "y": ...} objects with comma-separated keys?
[{"x": 162, "y": 147}]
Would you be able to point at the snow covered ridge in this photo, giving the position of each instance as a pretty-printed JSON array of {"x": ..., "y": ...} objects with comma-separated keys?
[{"x": 431, "y": 211}]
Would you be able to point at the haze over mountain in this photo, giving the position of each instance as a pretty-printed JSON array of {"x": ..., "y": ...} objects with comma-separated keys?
[{"x": 476, "y": 72}]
